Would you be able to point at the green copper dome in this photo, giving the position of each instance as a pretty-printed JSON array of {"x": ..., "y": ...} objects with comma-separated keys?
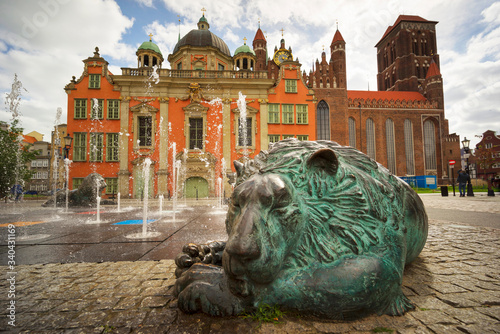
[
  {"x": 149, "y": 46},
  {"x": 245, "y": 49}
]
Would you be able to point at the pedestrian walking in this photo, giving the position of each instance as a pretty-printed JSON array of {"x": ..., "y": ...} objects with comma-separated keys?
[{"x": 462, "y": 180}]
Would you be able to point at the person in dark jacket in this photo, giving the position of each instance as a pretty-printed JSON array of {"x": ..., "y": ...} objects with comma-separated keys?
[{"x": 462, "y": 180}]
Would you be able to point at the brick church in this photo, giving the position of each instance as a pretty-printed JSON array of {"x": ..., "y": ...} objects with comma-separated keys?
[{"x": 212, "y": 107}]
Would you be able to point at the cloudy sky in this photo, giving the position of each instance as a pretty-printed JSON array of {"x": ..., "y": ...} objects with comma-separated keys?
[{"x": 44, "y": 42}]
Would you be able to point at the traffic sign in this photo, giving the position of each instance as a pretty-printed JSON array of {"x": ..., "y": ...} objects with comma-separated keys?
[{"x": 452, "y": 162}]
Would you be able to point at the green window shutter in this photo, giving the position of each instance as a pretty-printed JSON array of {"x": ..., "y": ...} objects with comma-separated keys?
[
  {"x": 274, "y": 138},
  {"x": 113, "y": 109},
  {"x": 111, "y": 185},
  {"x": 97, "y": 111},
  {"x": 96, "y": 147},
  {"x": 287, "y": 110},
  {"x": 302, "y": 114},
  {"x": 80, "y": 108},
  {"x": 290, "y": 86},
  {"x": 273, "y": 113},
  {"x": 112, "y": 146},
  {"x": 94, "y": 81},
  {"x": 80, "y": 146}
]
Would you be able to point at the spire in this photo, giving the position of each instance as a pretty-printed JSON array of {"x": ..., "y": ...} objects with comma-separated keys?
[
  {"x": 337, "y": 37},
  {"x": 433, "y": 70}
]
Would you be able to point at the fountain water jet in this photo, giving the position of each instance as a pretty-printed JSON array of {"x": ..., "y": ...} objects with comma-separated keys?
[{"x": 67, "y": 162}]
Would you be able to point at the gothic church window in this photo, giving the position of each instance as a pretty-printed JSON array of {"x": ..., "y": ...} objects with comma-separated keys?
[
  {"x": 370, "y": 138},
  {"x": 352, "y": 132},
  {"x": 323, "y": 121},
  {"x": 390, "y": 142},
  {"x": 410, "y": 157},
  {"x": 430, "y": 145}
]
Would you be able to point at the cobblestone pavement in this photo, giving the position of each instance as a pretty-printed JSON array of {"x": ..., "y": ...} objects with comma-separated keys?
[{"x": 455, "y": 285}]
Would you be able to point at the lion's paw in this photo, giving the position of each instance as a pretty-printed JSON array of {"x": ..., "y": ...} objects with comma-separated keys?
[
  {"x": 399, "y": 306},
  {"x": 193, "y": 253}
]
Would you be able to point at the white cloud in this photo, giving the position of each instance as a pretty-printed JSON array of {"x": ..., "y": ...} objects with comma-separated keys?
[{"x": 44, "y": 42}]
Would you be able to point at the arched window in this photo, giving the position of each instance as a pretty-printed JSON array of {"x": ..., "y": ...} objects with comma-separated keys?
[
  {"x": 323, "y": 121},
  {"x": 391, "y": 149},
  {"x": 370, "y": 138},
  {"x": 430, "y": 145},
  {"x": 352, "y": 132},
  {"x": 410, "y": 157}
]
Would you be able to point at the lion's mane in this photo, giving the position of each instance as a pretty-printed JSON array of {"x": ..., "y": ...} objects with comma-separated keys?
[{"x": 344, "y": 211}]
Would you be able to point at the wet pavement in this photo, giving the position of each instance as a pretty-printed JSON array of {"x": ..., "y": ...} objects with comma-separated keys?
[{"x": 73, "y": 275}]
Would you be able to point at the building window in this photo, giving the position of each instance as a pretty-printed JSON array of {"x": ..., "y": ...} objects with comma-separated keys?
[
  {"x": 77, "y": 182},
  {"x": 195, "y": 133},
  {"x": 290, "y": 86},
  {"x": 113, "y": 109},
  {"x": 179, "y": 66},
  {"x": 97, "y": 109},
  {"x": 323, "y": 121},
  {"x": 390, "y": 142},
  {"x": 111, "y": 185},
  {"x": 112, "y": 147},
  {"x": 410, "y": 158},
  {"x": 274, "y": 138},
  {"x": 303, "y": 137},
  {"x": 245, "y": 138},
  {"x": 80, "y": 108},
  {"x": 95, "y": 147},
  {"x": 94, "y": 81},
  {"x": 274, "y": 113},
  {"x": 370, "y": 138},
  {"x": 220, "y": 67},
  {"x": 430, "y": 145},
  {"x": 145, "y": 130},
  {"x": 352, "y": 132},
  {"x": 287, "y": 113},
  {"x": 80, "y": 146},
  {"x": 302, "y": 114},
  {"x": 288, "y": 136}
]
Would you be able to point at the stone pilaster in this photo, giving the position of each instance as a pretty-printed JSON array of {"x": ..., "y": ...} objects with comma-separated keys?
[
  {"x": 162, "y": 173},
  {"x": 124, "y": 174}
]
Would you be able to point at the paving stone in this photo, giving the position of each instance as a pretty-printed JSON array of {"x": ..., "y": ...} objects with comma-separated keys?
[
  {"x": 128, "y": 319},
  {"x": 434, "y": 317},
  {"x": 127, "y": 303},
  {"x": 491, "y": 311},
  {"x": 155, "y": 301}
]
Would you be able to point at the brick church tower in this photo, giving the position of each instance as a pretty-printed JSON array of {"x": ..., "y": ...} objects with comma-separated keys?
[
  {"x": 405, "y": 54},
  {"x": 337, "y": 61},
  {"x": 260, "y": 49}
]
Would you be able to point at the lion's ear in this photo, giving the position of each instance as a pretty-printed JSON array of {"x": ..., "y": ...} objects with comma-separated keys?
[
  {"x": 324, "y": 159},
  {"x": 239, "y": 167}
]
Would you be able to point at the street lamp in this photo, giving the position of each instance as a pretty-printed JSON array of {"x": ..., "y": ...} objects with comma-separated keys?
[
  {"x": 67, "y": 145},
  {"x": 465, "y": 144}
]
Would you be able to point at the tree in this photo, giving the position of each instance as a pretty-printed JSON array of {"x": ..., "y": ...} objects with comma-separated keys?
[{"x": 14, "y": 157}]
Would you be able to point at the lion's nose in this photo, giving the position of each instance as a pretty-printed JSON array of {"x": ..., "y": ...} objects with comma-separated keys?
[{"x": 243, "y": 247}]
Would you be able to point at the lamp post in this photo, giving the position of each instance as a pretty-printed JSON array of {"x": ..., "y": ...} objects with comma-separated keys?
[
  {"x": 465, "y": 144},
  {"x": 67, "y": 145}
]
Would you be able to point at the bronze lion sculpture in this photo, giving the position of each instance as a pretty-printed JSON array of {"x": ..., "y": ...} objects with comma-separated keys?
[
  {"x": 84, "y": 196},
  {"x": 314, "y": 227}
]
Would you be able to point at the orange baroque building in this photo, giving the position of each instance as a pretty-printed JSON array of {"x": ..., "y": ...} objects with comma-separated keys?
[{"x": 210, "y": 107}]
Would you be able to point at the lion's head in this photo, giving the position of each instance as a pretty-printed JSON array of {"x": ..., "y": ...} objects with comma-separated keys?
[{"x": 263, "y": 223}]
